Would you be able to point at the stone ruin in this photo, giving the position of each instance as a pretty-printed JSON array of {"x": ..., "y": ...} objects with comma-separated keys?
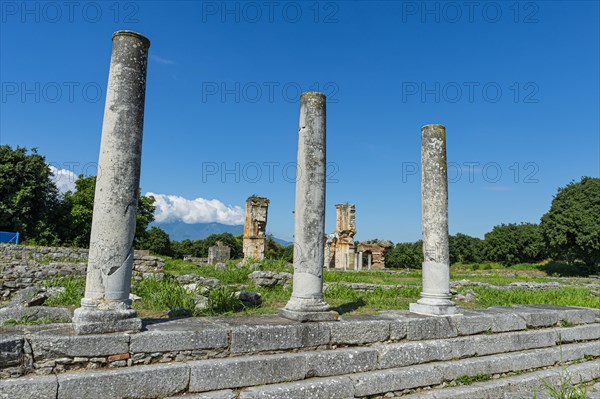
[
  {"x": 255, "y": 228},
  {"x": 340, "y": 252},
  {"x": 371, "y": 254},
  {"x": 395, "y": 353},
  {"x": 219, "y": 253}
]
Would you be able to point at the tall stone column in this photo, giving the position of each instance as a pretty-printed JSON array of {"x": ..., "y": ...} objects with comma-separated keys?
[
  {"x": 435, "y": 296},
  {"x": 106, "y": 306},
  {"x": 306, "y": 303}
]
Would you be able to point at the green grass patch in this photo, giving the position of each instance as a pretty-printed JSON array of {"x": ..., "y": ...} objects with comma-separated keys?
[
  {"x": 163, "y": 294},
  {"x": 565, "y": 296},
  {"x": 74, "y": 290},
  {"x": 470, "y": 379}
]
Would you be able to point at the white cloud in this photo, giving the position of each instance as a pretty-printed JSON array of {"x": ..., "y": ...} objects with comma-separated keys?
[
  {"x": 63, "y": 178},
  {"x": 171, "y": 208},
  {"x": 161, "y": 60}
]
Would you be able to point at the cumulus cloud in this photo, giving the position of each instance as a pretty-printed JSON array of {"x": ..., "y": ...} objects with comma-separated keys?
[
  {"x": 63, "y": 178},
  {"x": 172, "y": 208}
]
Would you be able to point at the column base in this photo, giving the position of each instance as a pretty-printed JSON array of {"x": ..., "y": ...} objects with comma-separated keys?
[
  {"x": 105, "y": 319},
  {"x": 295, "y": 315},
  {"x": 308, "y": 309},
  {"x": 434, "y": 310}
]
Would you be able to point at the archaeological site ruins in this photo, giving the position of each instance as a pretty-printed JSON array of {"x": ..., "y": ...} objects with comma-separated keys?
[{"x": 307, "y": 350}]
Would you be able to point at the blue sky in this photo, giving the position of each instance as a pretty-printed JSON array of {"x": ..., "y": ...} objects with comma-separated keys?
[{"x": 516, "y": 85}]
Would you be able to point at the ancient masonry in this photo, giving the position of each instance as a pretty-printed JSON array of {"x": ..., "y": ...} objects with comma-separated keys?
[
  {"x": 435, "y": 295},
  {"x": 24, "y": 266},
  {"x": 106, "y": 306},
  {"x": 255, "y": 228},
  {"x": 219, "y": 253},
  {"x": 307, "y": 303},
  {"x": 520, "y": 350},
  {"x": 371, "y": 254},
  {"x": 339, "y": 245},
  {"x": 342, "y": 253}
]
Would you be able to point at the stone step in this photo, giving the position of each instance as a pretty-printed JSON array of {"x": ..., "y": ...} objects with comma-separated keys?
[
  {"x": 54, "y": 348},
  {"x": 526, "y": 386},
  {"x": 380, "y": 382},
  {"x": 333, "y": 377}
]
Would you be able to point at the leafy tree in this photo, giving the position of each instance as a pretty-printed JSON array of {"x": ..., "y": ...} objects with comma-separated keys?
[
  {"x": 82, "y": 209},
  {"x": 404, "y": 255},
  {"x": 274, "y": 250},
  {"x": 465, "y": 249},
  {"x": 156, "y": 240},
  {"x": 571, "y": 228},
  {"x": 30, "y": 201},
  {"x": 512, "y": 243}
]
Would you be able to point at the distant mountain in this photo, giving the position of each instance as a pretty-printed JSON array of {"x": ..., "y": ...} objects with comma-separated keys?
[{"x": 179, "y": 231}]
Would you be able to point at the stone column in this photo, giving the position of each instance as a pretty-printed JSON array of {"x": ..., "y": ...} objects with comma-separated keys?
[
  {"x": 360, "y": 261},
  {"x": 306, "y": 303},
  {"x": 106, "y": 306},
  {"x": 435, "y": 296}
]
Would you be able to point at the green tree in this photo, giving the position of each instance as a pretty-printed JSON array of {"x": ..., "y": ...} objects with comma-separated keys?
[
  {"x": 512, "y": 243},
  {"x": 156, "y": 240},
  {"x": 82, "y": 209},
  {"x": 465, "y": 249},
  {"x": 571, "y": 228},
  {"x": 30, "y": 202},
  {"x": 405, "y": 255}
]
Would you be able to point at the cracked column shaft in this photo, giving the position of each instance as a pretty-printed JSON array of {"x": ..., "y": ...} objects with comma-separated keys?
[
  {"x": 435, "y": 295},
  {"x": 106, "y": 306},
  {"x": 306, "y": 303}
]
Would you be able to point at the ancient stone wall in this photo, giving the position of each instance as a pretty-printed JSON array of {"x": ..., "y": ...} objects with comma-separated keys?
[
  {"x": 23, "y": 266},
  {"x": 377, "y": 250},
  {"x": 219, "y": 253},
  {"x": 255, "y": 227},
  {"x": 340, "y": 252}
]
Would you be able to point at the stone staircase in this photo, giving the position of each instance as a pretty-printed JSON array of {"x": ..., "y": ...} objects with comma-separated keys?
[{"x": 493, "y": 353}]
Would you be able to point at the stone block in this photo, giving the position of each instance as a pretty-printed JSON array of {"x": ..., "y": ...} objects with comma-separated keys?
[
  {"x": 360, "y": 330},
  {"x": 38, "y": 387},
  {"x": 411, "y": 353},
  {"x": 537, "y": 317},
  {"x": 471, "y": 323},
  {"x": 224, "y": 394},
  {"x": 314, "y": 388},
  {"x": 11, "y": 350},
  {"x": 379, "y": 382},
  {"x": 340, "y": 361},
  {"x": 430, "y": 328},
  {"x": 208, "y": 375},
  {"x": 55, "y": 346},
  {"x": 505, "y": 319},
  {"x": 133, "y": 382},
  {"x": 571, "y": 314},
  {"x": 585, "y": 332},
  {"x": 166, "y": 341},
  {"x": 259, "y": 338}
]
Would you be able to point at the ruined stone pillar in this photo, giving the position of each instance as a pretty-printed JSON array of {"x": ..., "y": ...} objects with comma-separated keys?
[
  {"x": 359, "y": 262},
  {"x": 255, "y": 228},
  {"x": 106, "y": 306},
  {"x": 345, "y": 229},
  {"x": 306, "y": 303},
  {"x": 435, "y": 296}
]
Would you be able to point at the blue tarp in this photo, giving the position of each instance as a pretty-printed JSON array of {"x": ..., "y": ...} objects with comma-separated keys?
[{"x": 10, "y": 238}]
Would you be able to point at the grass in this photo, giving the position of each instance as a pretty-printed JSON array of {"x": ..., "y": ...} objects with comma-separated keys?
[
  {"x": 158, "y": 296},
  {"x": 470, "y": 379},
  {"x": 74, "y": 289}
]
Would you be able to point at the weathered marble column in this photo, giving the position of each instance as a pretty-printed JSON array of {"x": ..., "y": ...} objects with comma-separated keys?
[
  {"x": 306, "y": 303},
  {"x": 106, "y": 306},
  {"x": 435, "y": 296}
]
